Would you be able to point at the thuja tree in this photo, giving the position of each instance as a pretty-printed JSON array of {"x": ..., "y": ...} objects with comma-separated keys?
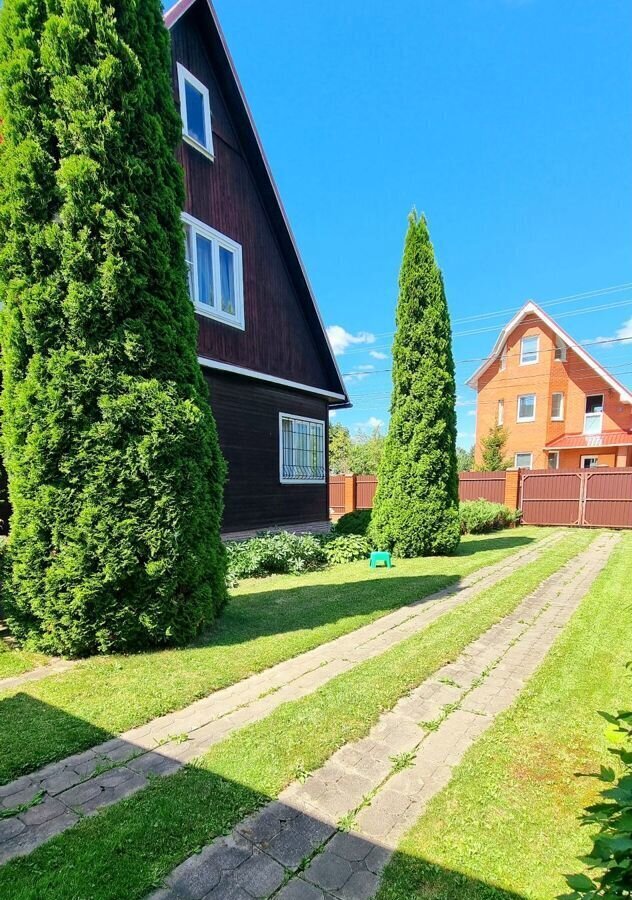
[
  {"x": 493, "y": 450},
  {"x": 416, "y": 504},
  {"x": 115, "y": 473}
]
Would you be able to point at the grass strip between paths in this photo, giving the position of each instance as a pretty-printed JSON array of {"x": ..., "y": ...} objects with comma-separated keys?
[
  {"x": 127, "y": 849},
  {"x": 266, "y": 622},
  {"x": 507, "y": 825}
]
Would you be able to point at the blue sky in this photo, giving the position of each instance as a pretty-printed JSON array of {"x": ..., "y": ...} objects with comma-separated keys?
[{"x": 508, "y": 122}]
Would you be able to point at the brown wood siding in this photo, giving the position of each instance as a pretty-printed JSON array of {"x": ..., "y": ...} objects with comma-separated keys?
[
  {"x": 247, "y": 416},
  {"x": 278, "y": 339}
]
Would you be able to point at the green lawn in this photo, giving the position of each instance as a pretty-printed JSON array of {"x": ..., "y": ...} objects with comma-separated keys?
[
  {"x": 16, "y": 662},
  {"x": 267, "y": 621},
  {"x": 128, "y": 848},
  {"x": 509, "y": 817}
]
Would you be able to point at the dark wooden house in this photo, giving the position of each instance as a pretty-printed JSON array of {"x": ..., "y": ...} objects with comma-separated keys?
[{"x": 262, "y": 344}]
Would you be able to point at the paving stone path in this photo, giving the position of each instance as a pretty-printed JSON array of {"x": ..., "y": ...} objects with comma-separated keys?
[
  {"x": 54, "y": 667},
  {"x": 330, "y": 836},
  {"x": 84, "y": 783}
]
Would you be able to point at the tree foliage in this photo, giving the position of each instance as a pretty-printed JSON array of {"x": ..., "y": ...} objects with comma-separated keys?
[
  {"x": 115, "y": 473},
  {"x": 359, "y": 454},
  {"x": 493, "y": 445},
  {"x": 416, "y": 503},
  {"x": 464, "y": 459}
]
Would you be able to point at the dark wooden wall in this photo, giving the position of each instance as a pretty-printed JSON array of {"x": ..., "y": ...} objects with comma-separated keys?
[
  {"x": 278, "y": 339},
  {"x": 247, "y": 416}
]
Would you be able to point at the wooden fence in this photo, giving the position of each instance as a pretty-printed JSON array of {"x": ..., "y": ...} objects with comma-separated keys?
[{"x": 596, "y": 498}]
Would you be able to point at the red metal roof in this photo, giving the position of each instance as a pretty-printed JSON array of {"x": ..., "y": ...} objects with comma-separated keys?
[{"x": 581, "y": 441}]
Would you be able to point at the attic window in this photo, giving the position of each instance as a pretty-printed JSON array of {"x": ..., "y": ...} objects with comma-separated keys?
[
  {"x": 215, "y": 272},
  {"x": 560, "y": 350},
  {"x": 195, "y": 109},
  {"x": 529, "y": 350},
  {"x": 503, "y": 359}
]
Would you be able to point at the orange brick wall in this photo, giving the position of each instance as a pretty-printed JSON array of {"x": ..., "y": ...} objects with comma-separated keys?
[{"x": 573, "y": 378}]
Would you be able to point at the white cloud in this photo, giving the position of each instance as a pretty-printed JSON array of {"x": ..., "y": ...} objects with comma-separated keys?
[
  {"x": 471, "y": 412},
  {"x": 371, "y": 423},
  {"x": 333, "y": 413},
  {"x": 340, "y": 339},
  {"x": 360, "y": 372},
  {"x": 622, "y": 336},
  {"x": 376, "y": 354}
]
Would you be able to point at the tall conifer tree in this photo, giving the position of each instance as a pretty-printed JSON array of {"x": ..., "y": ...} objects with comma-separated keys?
[
  {"x": 115, "y": 472},
  {"x": 416, "y": 504}
]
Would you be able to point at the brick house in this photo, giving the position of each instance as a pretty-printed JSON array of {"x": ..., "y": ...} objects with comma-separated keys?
[{"x": 560, "y": 407}]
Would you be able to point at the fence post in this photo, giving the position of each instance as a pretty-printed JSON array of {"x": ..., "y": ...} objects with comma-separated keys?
[
  {"x": 350, "y": 493},
  {"x": 512, "y": 488}
]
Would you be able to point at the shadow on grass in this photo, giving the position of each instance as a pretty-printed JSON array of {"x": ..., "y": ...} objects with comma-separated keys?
[
  {"x": 73, "y": 710},
  {"x": 288, "y": 607},
  {"x": 144, "y": 812}
]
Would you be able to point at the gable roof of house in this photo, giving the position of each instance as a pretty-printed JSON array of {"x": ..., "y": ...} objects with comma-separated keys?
[
  {"x": 255, "y": 154},
  {"x": 531, "y": 308}
]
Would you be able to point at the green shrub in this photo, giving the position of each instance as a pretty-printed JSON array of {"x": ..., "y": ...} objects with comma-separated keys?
[
  {"x": 356, "y": 522},
  {"x": 480, "y": 516},
  {"x": 416, "y": 504},
  {"x": 274, "y": 553},
  {"x": 114, "y": 468},
  {"x": 347, "y": 548},
  {"x": 612, "y": 846}
]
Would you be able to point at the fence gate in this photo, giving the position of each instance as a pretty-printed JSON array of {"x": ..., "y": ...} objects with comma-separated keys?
[{"x": 590, "y": 497}]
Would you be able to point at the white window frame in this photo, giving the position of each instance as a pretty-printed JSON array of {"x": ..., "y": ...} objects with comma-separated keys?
[
  {"x": 520, "y": 418},
  {"x": 530, "y": 466},
  {"x": 588, "y": 456},
  {"x": 530, "y": 362},
  {"x": 556, "y": 454},
  {"x": 185, "y": 76},
  {"x": 503, "y": 358},
  {"x": 218, "y": 240},
  {"x": 560, "y": 348},
  {"x": 500, "y": 416},
  {"x": 294, "y": 418},
  {"x": 559, "y": 418}
]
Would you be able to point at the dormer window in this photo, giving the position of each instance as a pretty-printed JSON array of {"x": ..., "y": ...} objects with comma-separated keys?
[
  {"x": 560, "y": 350},
  {"x": 529, "y": 350},
  {"x": 195, "y": 109}
]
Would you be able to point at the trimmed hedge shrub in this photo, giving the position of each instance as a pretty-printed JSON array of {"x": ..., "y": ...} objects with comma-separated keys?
[
  {"x": 115, "y": 473},
  {"x": 480, "y": 516},
  {"x": 356, "y": 522}
]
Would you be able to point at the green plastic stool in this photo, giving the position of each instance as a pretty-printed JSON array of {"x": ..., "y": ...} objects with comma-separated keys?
[{"x": 380, "y": 556}]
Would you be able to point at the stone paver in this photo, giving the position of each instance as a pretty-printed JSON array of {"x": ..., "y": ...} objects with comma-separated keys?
[
  {"x": 54, "y": 667},
  {"x": 346, "y": 865},
  {"x": 79, "y": 785}
]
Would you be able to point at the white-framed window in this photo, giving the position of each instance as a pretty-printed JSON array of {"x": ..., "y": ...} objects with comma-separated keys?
[
  {"x": 526, "y": 408},
  {"x": 500, "y": 418},
  {"x": 523, "y": 460},
  {"x": 557, "y": 406},
  {"x": 301, "y": 450},
  {"x": 589, "y": 462},
  {"x": 529, "y": 350},
  {"x": 554, "y": 459},
  {"x": 195, "y": 109},
  {"x": 503, "y": 358},
  {"x": 560, "y": 350},
  {"x": 214, "y": 263}
]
